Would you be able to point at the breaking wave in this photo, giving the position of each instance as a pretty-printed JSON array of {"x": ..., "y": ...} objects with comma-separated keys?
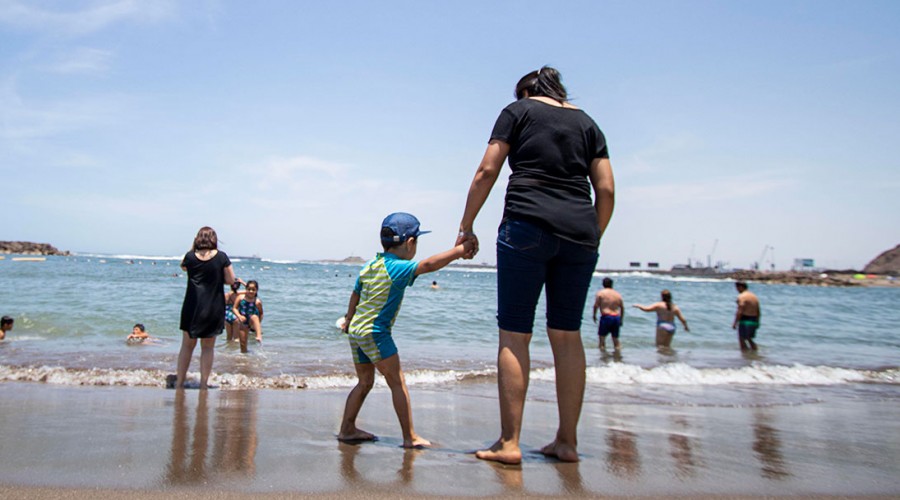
[{"x": 676, "y": 374}]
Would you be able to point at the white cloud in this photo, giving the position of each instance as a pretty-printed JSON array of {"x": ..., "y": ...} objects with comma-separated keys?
[
  {"x": 24, "y": 120},
  {"x": 82, "y": 61},
  {"x": 651, "y": 158},
  {"x": 85, "y": 18},
  {"x": 694, "y": 191}
]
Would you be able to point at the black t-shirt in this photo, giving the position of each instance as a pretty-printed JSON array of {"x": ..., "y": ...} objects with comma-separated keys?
[
  {"x": 203, "y": 309},
  {"x": 551, "y": 151}
]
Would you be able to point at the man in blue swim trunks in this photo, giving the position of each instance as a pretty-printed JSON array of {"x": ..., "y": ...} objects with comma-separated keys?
[{"x": 612, "y": 313}]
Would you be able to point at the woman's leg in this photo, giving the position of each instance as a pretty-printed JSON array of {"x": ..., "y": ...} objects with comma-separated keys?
[
  {"x": 207, "y": 351},
  {"x": 569, "y": 363},
  {"x": 513, "y": 368},
  {"x": 522, "y": 253},
  {"x": 568, "y": 281},
  {"x": 660, "y": 337},
  {"x": 184, "y": 359}
]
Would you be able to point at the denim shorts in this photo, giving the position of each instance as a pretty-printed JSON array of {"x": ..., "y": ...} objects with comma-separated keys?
[{"x": 528, "y": 258}]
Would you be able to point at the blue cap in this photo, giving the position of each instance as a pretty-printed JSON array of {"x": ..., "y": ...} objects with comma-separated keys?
[{"x": 403, "y": 225}]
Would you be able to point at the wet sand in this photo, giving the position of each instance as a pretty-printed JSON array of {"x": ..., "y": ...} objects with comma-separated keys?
[{"x": 105, "y": 442}]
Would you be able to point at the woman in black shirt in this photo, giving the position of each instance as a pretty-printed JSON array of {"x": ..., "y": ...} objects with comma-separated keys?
[
  {"x": 202, "y": 315},
  {"x": 548, "y": 236}
]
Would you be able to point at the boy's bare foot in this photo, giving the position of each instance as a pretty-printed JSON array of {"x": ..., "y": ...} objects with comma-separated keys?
[
  {"x": 417, "y": 442},
  {"x": 562, "y": 452},
  {"x": 357, "y": 436},
  {"x": 503, "y": 452}
]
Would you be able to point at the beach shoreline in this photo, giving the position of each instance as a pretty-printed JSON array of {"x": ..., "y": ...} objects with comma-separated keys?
[{"x": 105, "y": 442}]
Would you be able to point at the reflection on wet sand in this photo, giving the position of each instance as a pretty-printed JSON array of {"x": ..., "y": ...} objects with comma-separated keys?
[
  {"x": 682, "y": 448},
  {"x": 622, "y": 458},
  {"x": 351, "y": 475},
  {"x": 510, "y": 476},
  {"x": 234, "y": 445},
  {"x": 767, "y": 445},
  {"x": 570, "y": 478},
  {"x": 185, "y": 467},
  {"x": 234, "y": 438}
]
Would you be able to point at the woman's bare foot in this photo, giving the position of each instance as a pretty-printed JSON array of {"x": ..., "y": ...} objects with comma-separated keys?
[
  {"x": 416, "y": 442},
  {"x": 357, "y": 435},
  {"x": 562, "y": 452},
  {"x": 503, "y": 452}
]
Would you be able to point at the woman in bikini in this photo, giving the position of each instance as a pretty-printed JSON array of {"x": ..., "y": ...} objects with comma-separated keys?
[
  {"x": 666, "y": 312},
  {"x": 248, "y": 309}
]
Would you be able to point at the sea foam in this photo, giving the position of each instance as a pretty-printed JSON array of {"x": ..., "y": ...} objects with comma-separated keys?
[{"x": 675, "y": 374}]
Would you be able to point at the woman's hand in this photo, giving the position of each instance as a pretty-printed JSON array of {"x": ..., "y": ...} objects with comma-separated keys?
[{"x": 470, "y": 241}]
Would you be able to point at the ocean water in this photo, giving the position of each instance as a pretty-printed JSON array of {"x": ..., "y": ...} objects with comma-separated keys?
[{"x": 73, "y": 314}]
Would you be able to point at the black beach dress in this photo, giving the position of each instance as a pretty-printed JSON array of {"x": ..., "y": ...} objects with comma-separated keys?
[{"x": 202, "y": 313}]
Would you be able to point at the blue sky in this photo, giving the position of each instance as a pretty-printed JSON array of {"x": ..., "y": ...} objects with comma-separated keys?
[{"x": 294, "y": 127}]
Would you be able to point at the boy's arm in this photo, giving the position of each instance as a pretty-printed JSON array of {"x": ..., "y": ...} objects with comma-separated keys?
[
  {"x": 440, "y": 260},
  {"x": 351, "y": 310}
]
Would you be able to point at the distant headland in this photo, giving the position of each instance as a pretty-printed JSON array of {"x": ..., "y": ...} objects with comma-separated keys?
[{"x": 29, "y": 248}]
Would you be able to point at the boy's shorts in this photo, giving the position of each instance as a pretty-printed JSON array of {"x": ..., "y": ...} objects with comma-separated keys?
[{"x": 370, "y": 349}]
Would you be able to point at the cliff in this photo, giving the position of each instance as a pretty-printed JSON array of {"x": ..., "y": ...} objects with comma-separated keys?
[
  {"x": 29, "y": 248},
  {"x": 886, "y": 263}
]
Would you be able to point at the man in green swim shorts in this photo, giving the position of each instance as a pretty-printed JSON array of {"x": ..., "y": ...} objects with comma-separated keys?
[{"x": 746, "y": 319}]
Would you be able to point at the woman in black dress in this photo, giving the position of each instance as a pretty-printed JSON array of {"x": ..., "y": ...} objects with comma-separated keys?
[{"x": 208, "y": 271}]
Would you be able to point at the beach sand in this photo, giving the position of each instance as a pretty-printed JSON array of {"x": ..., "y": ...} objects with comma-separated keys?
[{"x": 112, "y": 442}]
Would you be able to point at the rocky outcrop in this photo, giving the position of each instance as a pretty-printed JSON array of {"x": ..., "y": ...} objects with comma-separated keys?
[
  {"x": 29, "y": 248},
  {"x": 886, "y": 263},
  {"x": 793, "y": 278}
]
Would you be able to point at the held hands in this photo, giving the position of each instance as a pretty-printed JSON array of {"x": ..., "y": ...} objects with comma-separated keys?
[{"x": 469, "y": 242}]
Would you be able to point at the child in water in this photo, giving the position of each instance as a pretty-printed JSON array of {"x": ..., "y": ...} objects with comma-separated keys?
[
  {"x": 248, "y": 309},
  {"x": 6, "y": 324},
  {"x": 374, "y": 305},
  {"x": 139, "y": 335}
]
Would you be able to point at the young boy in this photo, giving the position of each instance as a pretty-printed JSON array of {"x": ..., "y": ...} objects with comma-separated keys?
[
  {"x": 138, "y": 333},
  {"x": 6, "y": 324},
  {"x": 374, "y": 305}
]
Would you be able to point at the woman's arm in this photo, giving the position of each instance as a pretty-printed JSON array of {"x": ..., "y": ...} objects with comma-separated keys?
[
  {"x": 485, "y": 177},
  {"x": 229, "y": 275},
  {"x": 604, "y": 184},
  {"x": 681, "y": 317},
  {"x": 650, "y": 308}
]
